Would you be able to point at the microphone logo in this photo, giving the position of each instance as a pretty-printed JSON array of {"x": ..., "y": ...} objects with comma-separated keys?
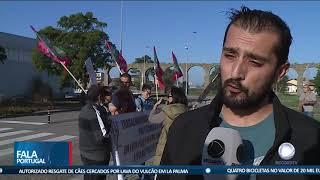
[
  {"x": 216, "y": 148},
  {"x": 286, "y": 151}
]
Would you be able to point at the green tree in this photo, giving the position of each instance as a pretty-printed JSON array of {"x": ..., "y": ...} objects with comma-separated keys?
[
  {"x": 3, "y": 55},
  {"x": 282, "y": 85},
  {"x": 143, "y": 58},
  {"x": 317, "y": 81},
  {"x": 80, "y": 36},
  {"x": 167, "y": 78}
]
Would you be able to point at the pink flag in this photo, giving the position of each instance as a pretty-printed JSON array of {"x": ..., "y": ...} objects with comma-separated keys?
[
  {"x": 176, "y": 71},
  {"x": 46, "y": 48},
  {"x": 158, "y": 70},
  {"x": 121, "y": 62}
]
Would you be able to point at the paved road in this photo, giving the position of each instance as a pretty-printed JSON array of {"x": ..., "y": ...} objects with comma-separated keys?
[{"x": 63, "y": 127}]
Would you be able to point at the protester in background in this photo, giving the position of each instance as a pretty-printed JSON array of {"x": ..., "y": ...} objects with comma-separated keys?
[
  {"x": 94, "y": 143},
  {"x": 123, "y": 100},
  {"x": 176, "y": 105},
  {"x": 143, "y": 101},
  {"x": 106, "y": 97},
  {"x": 307, "y": 100}
]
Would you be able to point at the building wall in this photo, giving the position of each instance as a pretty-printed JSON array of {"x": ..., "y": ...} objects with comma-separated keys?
[
  {"x": 292, "y": 89},
  {"x": 18, "y": 70}
]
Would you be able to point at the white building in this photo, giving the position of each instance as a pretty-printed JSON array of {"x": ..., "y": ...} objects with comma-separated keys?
[
  {"x": 17, "y": 71},
  {"x": 293, "y": 87}
]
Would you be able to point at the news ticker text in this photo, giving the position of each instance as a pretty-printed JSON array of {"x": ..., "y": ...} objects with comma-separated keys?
[{"x": 161, "y": 170}]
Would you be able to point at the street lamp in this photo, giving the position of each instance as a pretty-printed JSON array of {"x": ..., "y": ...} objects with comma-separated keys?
[
  {"x": 187, "y": 47},
  {"x": 144, "y": 68},
  {"x": 186, "y": 73}
]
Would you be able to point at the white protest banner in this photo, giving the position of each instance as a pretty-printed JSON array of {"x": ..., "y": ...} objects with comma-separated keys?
[
  {"x": 91, "y": 72},
  {"x": 134, "y": 137}
]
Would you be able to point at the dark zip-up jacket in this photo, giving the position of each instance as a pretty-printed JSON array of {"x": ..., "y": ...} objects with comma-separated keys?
[{"x": 188, "y": 133}]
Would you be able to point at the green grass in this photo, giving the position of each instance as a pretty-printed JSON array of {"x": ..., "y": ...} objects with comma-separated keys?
[{"x": 291, "y": 101}]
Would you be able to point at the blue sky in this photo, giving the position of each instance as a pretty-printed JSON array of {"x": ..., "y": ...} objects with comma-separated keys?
[{"x": 169, "y": 25}]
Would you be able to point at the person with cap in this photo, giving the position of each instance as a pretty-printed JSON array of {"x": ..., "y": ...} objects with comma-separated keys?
[{"x": 307, "y": 100}]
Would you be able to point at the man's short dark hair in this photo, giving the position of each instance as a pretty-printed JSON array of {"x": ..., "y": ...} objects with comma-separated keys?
[
  {"x": 127, "y": 75},
  {"x": 93, "y": 93},
  {"x": 105, "y": 91},
  {"x": 256, "y": 21},
  {"x": 146, "y": 87}
]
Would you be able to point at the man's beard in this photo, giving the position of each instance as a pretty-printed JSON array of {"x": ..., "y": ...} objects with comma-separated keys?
[{"x": 248, "y": 99}]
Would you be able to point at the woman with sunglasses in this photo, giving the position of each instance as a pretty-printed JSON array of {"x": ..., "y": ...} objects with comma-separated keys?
[{"x": 177, "y": 104}]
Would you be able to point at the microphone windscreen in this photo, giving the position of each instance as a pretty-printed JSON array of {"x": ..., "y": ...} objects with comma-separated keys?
[{"x": 221, "y": 146}]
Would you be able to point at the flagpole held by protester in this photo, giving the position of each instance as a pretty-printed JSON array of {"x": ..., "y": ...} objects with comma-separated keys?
[
  {"x": 64, "y": 66},
  {"x": 156, "y": 81},
  {"x": 177, "y": 80}
]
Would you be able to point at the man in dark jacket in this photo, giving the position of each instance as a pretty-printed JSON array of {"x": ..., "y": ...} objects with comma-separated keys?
[
  {"x": 94, "y": 144},
  {"x": 254, "y": 56},
  {"x": 123, "y": 100}
]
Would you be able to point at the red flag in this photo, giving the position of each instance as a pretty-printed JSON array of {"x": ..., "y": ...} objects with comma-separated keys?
[
  {"x": 46, "y": 48},
  {"x": 120, "y": 61},
  {"x": 176, "y": 71},
  {"x": 158, "y": 70}
]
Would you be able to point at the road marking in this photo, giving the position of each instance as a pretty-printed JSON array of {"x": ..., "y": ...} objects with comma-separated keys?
[
  {"x": 23, "y": 122},
  {"x": 14, "y": 133},
  {"x": 61, "y": 138},
  {"x": 4, "y": 129},
  {"x": 10, "y": 141},
  {"x": 4, "y": 152}
]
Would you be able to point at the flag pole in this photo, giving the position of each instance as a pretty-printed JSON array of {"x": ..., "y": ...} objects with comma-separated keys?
[
  {"x": 118, "y": 66},
  {"x": 64, "y": 66},
  {"x": 143, "y": 72},
  {"x": 156, "y": 84},
  {"x": 121, "y": 24},
  {"x": 177, "y": 79},
  {"x": 157, "y": 91}
]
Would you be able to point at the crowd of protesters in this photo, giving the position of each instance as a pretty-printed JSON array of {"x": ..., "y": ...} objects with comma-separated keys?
[{"x": 102, "y": 102}]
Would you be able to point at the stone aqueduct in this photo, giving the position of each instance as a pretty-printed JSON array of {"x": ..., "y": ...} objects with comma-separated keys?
[{"x": 299, "y": 68}]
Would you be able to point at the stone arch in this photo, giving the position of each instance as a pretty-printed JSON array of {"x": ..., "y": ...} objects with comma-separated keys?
[
  {"x": 196, "y": 81},
  {"x": 135, "y": 77},
  {"x": 309, "y": 73},
  {"x": 300, "y": 68},
  {"x": 293, "y": 81},
  {"x": 149, "y": 78}
]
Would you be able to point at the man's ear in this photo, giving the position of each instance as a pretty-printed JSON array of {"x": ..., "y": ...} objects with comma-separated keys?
[{"x": 282, "y": 71}]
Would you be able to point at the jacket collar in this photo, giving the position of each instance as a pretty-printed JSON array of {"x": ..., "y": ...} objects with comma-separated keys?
[
  {"x": 214, "y": 109},
  {"x": 281, "y": 121}
]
